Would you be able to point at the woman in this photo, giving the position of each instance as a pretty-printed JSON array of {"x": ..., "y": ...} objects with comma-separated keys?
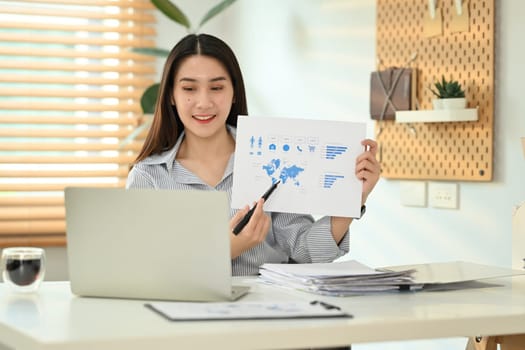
[{"x": 191, "y": 143}]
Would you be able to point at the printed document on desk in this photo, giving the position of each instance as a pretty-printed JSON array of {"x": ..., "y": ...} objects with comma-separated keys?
[
  {"x": 337, "y": 278},
  {"x": 239, "y": 310},
  {"x": 314, "y": 160},
  {"x": 450, "y": 272}
]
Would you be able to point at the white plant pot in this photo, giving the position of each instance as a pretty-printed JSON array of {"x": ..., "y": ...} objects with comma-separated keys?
[
  {"x": 436, "y": 103},
  {"x": 449, "y": 103}
]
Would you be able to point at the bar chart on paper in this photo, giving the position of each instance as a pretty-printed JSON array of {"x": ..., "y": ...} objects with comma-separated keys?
[
  {"x": 330, "y": 179},
  {"x": 314, "y": 161},
  {"x": 332, "y": 151}
]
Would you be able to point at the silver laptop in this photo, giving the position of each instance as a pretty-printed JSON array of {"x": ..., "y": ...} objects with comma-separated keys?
[{"x": 149, "y": 244}]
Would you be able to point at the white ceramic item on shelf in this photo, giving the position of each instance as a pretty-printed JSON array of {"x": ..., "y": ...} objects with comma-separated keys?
[{"x": 449, "y": 103}]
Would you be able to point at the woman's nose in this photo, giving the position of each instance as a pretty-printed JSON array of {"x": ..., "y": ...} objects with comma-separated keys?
[{"x": 204, "y": 100}]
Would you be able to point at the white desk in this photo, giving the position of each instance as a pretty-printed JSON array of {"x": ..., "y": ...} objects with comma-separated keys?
[{"x": 55, "y": 319}]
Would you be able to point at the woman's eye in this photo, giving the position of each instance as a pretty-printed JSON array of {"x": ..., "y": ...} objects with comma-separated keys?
[
  {"x": 217, "y": 88},
  {"x": 187, "y": 88}
]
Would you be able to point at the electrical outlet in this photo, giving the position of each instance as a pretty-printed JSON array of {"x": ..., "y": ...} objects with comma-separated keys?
[{"x": 443, "y": 195}]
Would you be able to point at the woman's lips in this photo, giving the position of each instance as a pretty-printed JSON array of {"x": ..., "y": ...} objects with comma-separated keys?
[{"x": 204, "y": 118}]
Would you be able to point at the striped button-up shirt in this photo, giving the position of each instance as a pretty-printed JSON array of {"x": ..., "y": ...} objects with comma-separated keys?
[{"x": 295, "y": 237}]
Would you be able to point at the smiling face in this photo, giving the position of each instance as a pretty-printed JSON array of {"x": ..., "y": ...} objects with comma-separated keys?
[{"x": 203, "y": 95}]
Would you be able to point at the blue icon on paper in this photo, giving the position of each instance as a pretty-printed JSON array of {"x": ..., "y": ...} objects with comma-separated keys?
[{"x": 278, "y": 171}]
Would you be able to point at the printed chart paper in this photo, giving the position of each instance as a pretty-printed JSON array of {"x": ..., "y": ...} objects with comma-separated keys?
[
  {"x": 241, "y": 310},
  {"x": 314, "y": 160}
]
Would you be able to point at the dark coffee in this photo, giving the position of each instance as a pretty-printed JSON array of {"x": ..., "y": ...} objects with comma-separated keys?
[{"x": 23, "y": 272}]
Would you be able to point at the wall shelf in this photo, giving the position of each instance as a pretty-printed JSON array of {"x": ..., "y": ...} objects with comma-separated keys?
[
  {"x": 437, "y": 115},
  {"x": 432, "y": 150}
]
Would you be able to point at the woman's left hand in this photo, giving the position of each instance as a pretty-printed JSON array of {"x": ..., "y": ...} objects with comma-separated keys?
[{"x": 367, "y": 168}]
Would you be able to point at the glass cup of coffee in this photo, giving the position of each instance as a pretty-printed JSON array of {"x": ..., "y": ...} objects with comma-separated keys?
[{"x": 23, "y": 268}]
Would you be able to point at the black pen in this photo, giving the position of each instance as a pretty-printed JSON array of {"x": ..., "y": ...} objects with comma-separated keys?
[
  {"x": 325, "y": 305},
  {"x": 238, "y": 228}
]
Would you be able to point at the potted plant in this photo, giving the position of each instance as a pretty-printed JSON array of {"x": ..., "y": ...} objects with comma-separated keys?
[
  {"x": 170, "y": 10},
  {"x": 149, "y": 96},
  {"x": 450, "y": 95}
]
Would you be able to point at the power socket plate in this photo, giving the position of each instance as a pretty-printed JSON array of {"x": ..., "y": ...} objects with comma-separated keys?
[{"x": 443, "y": 195}]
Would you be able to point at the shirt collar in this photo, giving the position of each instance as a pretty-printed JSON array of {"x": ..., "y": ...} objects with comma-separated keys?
[{"x": 168, "y": 157}]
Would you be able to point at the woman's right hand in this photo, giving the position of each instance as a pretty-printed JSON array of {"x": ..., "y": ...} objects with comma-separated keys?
[{"x": 253, "y": 233}]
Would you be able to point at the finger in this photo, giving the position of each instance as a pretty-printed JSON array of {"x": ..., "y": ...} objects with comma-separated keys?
[
  {"x": 367, "y": 164},
  {"x": 261, "y": 227},
  {"x": 258, "y": 212},
  {"x": 368, "y": 170},
  {"x": 366, "y": 155},
  {"x": 371, "y": 145},
  {"x": 238, "y": 216},
  {"x": 372, "y": 173},
  {"x": 250, "y": 224},
  {"x": 267, "y": 223},
  {"x": 363, "y": 175}
]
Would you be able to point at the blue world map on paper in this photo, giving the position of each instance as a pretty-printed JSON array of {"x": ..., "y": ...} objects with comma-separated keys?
[{"x": 274, "y": 170}]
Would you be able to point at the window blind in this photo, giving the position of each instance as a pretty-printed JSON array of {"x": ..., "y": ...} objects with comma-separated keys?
[{"x": 70, "y": 89}]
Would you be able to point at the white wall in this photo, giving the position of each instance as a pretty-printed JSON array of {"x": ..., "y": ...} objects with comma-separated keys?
[{"x": 312, "y": 58}]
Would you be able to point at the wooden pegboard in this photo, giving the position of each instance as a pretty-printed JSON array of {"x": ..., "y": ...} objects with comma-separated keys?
[{"x": 441, "y": 151}]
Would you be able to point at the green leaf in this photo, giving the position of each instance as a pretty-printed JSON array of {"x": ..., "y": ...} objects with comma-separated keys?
[
  {"x": 151, "y": 51},
  {"x": 436, "y": 93},
  {"x": 448, "y": 89},
  {"x": 149, "y": 98},
  {"x": 214, "y": 11},
  {"x": 172, "y": 11}
]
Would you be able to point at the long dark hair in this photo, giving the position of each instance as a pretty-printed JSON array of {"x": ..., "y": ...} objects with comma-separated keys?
[{"x": 167, "y": 126}]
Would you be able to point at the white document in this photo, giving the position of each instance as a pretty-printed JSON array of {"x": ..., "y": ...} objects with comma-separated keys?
[
  {"x": 455, "y": 272},
  {"x": 346, "y": 268},
  {"x": 183, "y": 311},
  {"x": 314, "y": 160}
]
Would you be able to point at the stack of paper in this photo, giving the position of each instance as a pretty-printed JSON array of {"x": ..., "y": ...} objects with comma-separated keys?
[{"x": 336, "y": 279}]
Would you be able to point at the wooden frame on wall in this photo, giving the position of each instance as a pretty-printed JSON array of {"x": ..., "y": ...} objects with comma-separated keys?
[{"x": 440, "y": 150}]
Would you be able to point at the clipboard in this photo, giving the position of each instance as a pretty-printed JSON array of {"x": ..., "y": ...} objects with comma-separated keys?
[{"x": 194, "y": 311}]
